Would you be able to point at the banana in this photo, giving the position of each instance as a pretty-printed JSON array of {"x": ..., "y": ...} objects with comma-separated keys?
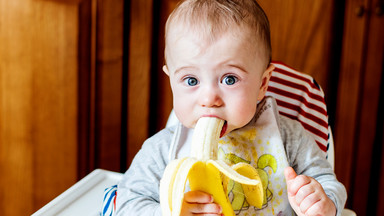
[
  {"x": 204, "y": 172},
  {"x": 253, "y": 193}
]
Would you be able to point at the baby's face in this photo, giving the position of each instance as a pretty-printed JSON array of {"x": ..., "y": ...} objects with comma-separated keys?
[{"x": 223, "y": 79}]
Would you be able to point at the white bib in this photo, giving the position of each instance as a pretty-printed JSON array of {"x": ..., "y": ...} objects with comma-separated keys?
[{"x": 259, "y": 143}]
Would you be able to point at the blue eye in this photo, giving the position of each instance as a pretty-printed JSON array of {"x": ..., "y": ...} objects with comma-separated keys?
[
  {"x": 191, "y": 81},
  {"x": 230, "y": 80}
]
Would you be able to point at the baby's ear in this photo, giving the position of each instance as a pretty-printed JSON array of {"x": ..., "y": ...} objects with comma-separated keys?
[
  {"x": 265, "y": 81},
  {"x": 165, "y": 69}
]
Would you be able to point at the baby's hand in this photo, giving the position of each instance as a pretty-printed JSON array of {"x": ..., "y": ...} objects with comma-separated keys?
[
  {"x": 199, "y": 203},
  {"x": 307, "y": 196}
]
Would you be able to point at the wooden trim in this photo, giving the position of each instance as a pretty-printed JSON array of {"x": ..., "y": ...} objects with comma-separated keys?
[
  {"x": 348, "y": 105},
  {"x": 86, "y": 87},
  {"x": 68, "y": 1},
  {"x": 109, "y": 73},
  {"x": 139, "y": 70},
  {"x": 161, "y": 94}
]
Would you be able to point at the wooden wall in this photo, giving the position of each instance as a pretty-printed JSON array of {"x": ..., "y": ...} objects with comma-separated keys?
[
  {"x": 81, "y": 87},
  {"x": 38, "y": 102},
  {"x": 360, "y": 99}
]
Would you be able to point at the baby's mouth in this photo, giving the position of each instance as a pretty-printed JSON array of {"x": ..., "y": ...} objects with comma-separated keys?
[{"x": 223, "y": 129}]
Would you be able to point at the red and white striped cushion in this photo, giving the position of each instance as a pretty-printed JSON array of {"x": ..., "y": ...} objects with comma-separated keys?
[{"x": 299, "y": 97}]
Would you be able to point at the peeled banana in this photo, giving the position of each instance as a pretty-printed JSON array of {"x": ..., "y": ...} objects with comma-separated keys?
[{"x": 204, "y": 172}]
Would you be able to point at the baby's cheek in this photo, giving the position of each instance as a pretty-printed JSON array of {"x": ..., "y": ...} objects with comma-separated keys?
[
  {"x": 245, "y": 113},
  {"x": 185, "y": 115}
]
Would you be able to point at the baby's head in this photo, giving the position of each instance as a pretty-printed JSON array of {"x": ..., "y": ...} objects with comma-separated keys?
[
  {"x": 210, "y": 19},
  {"x": 217, "y": 57}
]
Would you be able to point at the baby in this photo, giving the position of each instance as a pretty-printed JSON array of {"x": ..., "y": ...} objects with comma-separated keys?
[{"x": 218, "y": 56}]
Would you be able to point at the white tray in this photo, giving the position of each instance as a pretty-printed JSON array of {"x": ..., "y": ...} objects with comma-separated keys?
[{"x": 83, "y": 198}]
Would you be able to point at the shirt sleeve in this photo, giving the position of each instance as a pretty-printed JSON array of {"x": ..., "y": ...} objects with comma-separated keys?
[
  {"x": 306, "y": 158},
  {"x": 138, "y": 191}
]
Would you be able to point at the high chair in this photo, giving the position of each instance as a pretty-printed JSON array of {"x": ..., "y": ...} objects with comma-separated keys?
[{"x": 298, "y": 97}]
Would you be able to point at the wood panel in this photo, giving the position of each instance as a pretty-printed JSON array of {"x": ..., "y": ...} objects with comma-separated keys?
[
  {"x": 38, "y": 108},
  {"x": 368, "y": 135},
  {"x": 101, "y": 81},
  {"x": 349, "y": 93},
  {"x": 109, "y": 74},
  {"x": 301, "y": 35},
  {"x": 161, "y": 94},
  {"x": 87, "y": 87},
  {"x": 358, "y": 131},
  {"x": 139, "y": 70}
]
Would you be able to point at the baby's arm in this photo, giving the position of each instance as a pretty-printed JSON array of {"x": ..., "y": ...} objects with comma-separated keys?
[
  {"x": 138, "y": 191},
  {"x": 197, "y": 202},
  {"x": 307, "y": 196},
  {"x": 307, "y": 159}
]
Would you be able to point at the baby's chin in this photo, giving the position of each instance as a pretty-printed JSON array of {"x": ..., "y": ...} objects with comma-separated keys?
[{"x": 190, "y": 125}]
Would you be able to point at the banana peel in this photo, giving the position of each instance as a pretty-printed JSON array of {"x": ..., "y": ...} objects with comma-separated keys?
[
  {"x": 205, "y": 173},
  {"x": 253, "y": 193}
]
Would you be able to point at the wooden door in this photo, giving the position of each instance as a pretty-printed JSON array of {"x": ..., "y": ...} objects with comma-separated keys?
[
  {"x": 61, "y": 96},
  {"x": 38, "y": 102},
  {"x": 359, "y": 119}
]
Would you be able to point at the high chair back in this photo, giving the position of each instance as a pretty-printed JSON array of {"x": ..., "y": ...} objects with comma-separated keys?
[{"x": 299, "y": 97}]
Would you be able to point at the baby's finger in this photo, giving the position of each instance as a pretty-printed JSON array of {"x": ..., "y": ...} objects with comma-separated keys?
[
  {"x": 206, "y": 209},
  {"x": 297, "y": 183},
  {"x": 309, "y": 201},
  {"x": 289, "y": 173},
  {"x": 324, "y": 206},
  {"x": 304, "y": 192},
  {"x": 290, "y": 176},
  {"x": 197, "y": 197}
]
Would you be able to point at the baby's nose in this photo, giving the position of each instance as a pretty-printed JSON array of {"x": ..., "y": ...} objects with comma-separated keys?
[{"x": 210, "y": 97}]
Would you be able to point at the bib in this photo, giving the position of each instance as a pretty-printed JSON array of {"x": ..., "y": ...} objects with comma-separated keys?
[{"x": 259, "y": 144}]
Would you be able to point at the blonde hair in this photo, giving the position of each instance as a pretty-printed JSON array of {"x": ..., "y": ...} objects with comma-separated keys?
[{"x": 212, "y": 18}]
